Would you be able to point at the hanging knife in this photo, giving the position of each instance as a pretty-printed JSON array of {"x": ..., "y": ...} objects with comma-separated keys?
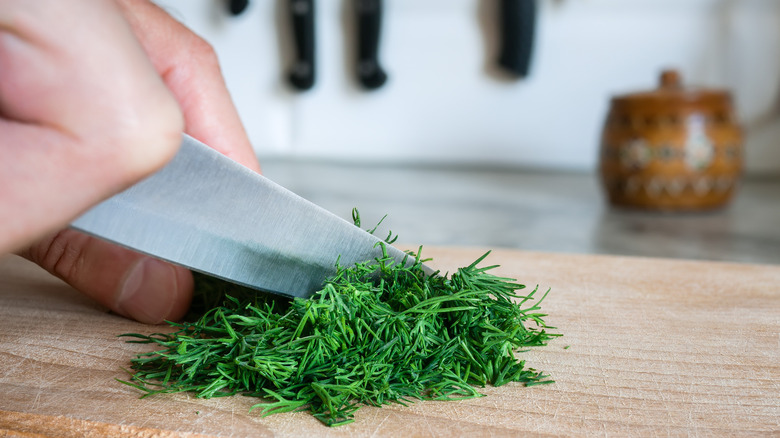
[
  {"x": 237, "y": 7},
  {"x": 518, "y": 23},
  {"x": 213, "y": 215},
  {"x": 369, "y": 20},
  {"x": 302, "y": 72}
]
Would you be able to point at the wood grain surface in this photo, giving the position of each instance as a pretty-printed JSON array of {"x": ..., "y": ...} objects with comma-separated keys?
[{"x": 650, "y": 347}]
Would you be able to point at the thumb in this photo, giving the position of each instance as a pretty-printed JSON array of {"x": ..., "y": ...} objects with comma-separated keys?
[{"x": 134, "y": 285}]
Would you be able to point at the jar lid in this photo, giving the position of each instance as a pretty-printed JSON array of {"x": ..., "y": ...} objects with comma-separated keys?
[{"x": 672, "y": 92}]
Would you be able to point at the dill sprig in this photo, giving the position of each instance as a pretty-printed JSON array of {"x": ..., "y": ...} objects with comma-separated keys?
[{"x": 378, "y": 332}]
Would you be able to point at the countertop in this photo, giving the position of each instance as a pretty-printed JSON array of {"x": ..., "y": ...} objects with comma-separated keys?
[
  {"x": 651, "y": 346},
  {"x": 535, "y": 210}
]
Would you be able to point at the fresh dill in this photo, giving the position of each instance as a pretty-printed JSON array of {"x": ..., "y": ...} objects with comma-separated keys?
[{"x": 378, "y": 332}]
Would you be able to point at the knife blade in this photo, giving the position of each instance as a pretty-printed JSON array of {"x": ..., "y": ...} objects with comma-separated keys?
[{"x": 213, "y": 215}]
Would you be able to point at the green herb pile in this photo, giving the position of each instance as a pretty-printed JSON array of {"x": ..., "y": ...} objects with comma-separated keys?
[{"x": 376, "y": 333}]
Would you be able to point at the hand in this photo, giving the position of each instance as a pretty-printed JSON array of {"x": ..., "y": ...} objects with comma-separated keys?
[{"x": 93, "y": 97}]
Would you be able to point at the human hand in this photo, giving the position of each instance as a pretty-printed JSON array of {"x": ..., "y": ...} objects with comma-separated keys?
[{"x": 93, "y": 97}]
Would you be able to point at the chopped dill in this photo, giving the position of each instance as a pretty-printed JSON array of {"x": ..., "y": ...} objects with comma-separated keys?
[{"x": 395, "y": 337}]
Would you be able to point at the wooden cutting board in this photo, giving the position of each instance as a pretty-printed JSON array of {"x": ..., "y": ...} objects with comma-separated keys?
[{"x": 650, "y": 347}]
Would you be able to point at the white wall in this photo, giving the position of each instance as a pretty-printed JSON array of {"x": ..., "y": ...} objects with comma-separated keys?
[{"x": 444, "y": 102}]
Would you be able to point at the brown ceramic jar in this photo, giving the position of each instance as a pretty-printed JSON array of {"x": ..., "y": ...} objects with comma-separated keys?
[{"x": 673, "y": 148}]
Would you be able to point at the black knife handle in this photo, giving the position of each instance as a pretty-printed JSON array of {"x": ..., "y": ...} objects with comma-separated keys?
[
  {"x": 302, "y": 71},
  {"x": 369, "y": 20},
  {"x": 236, "y": 7},
  {"x": 518, "y": 22}
]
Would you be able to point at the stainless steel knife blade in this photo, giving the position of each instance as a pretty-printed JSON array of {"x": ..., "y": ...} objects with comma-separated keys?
[{"x": 212, "y": 215}]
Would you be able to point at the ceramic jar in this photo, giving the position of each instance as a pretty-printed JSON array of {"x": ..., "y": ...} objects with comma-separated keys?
[{"x": 673, "y": 148}]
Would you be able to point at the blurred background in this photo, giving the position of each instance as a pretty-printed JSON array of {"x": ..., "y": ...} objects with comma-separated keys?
[{"x": 459, "y": 152}]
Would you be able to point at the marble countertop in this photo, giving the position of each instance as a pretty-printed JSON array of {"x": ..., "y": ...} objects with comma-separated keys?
[{"x": 535, "y": 210}]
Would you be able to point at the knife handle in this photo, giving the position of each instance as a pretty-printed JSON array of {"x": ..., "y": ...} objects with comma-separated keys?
[
  {"x": 518, "y": 22},
  {"x": 369, "y": 19},
  {"x": 302, "y": 72},
  {"x": 236, "y": 7}
]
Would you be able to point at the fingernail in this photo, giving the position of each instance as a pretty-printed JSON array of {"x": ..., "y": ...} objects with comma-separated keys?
[{"x": 146, "y": 292}]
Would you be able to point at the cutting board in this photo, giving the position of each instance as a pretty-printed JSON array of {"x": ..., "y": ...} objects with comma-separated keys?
[{"x": 650, "y": 347}]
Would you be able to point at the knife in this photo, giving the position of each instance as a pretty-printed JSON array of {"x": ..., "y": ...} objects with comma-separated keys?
[
  {"x": 237, "y": 7},
  {"x": 302, "y": 72},
  {"x": 208, "y": 213},
  {"x": 369, "y": 18},
  {"x": 518, "y": 23}
]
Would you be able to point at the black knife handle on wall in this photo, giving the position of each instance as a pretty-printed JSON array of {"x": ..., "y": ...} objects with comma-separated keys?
[
  {"x": 302, "y": 72},
  {"x": 369, "y": 20},
  {"x": 236, "y": 7},
  {"x": 518, "y": 23}
]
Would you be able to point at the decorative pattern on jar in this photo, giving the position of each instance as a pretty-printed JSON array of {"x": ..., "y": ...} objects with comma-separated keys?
[{"x": 674, "y": 148}]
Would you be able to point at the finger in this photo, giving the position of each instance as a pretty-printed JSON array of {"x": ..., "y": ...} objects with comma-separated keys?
[
  {"x": 131, "y": 284},
  {"x": 190, "y": 69},
  {"x": 81, "y": 118}
]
